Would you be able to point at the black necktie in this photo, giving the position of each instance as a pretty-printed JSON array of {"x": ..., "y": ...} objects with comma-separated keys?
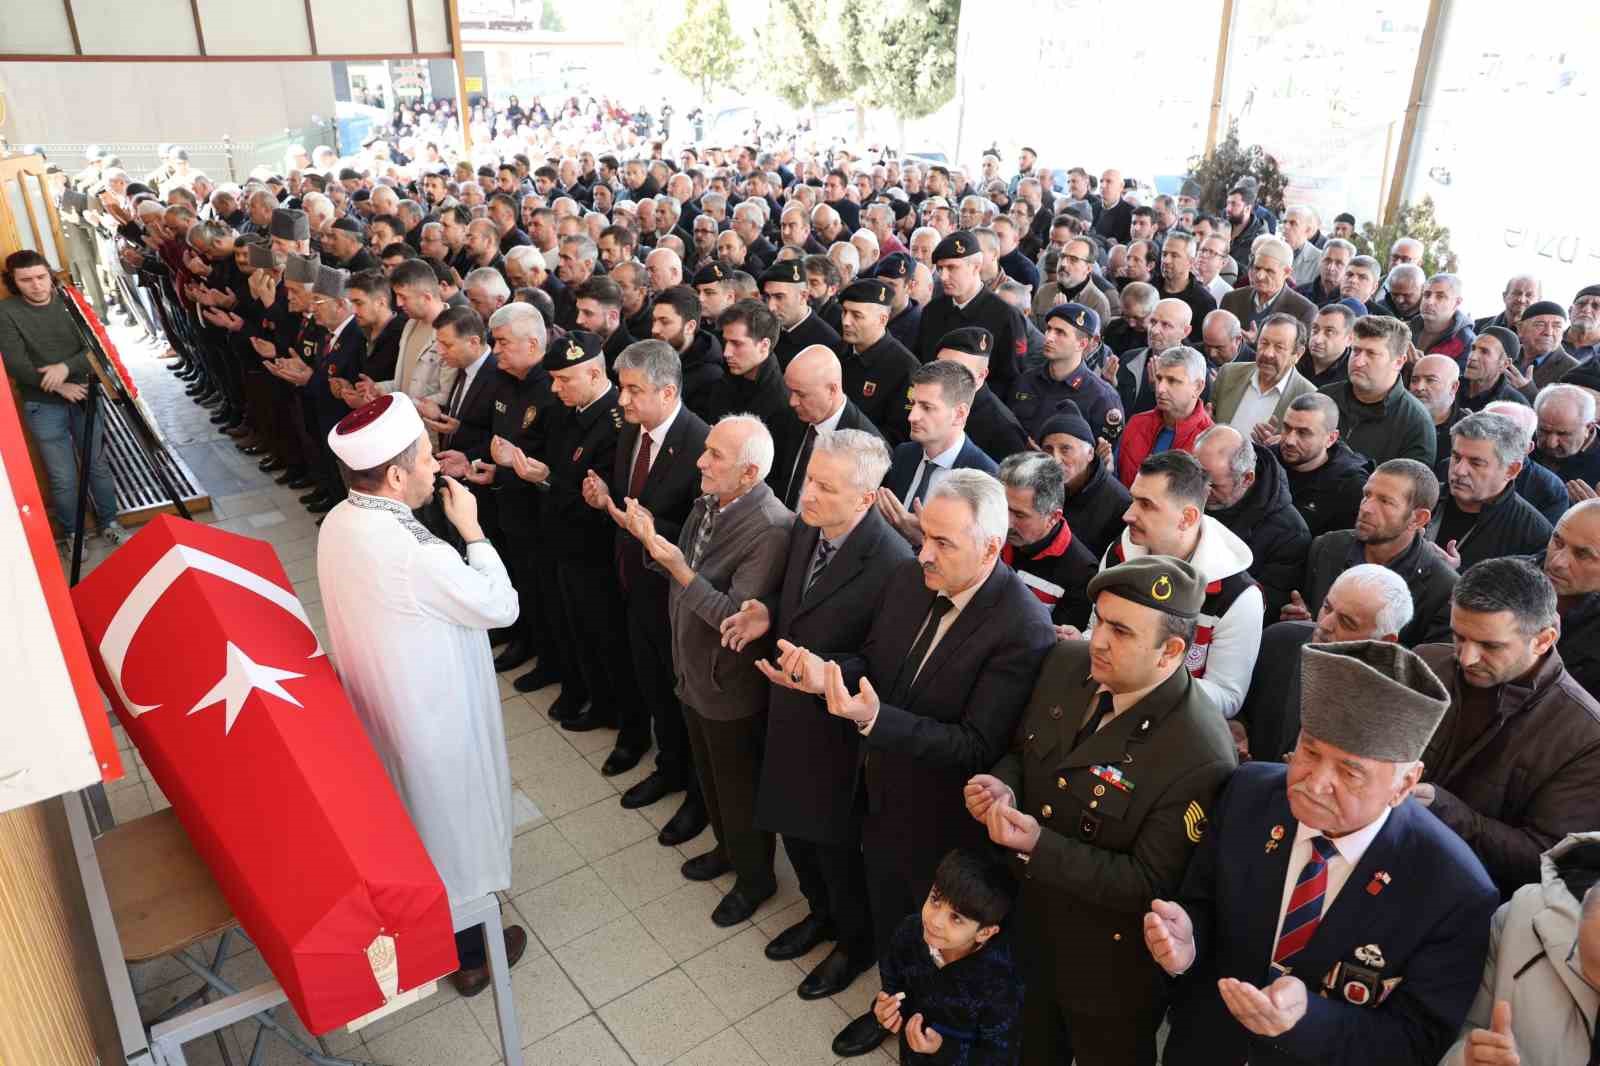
[
  {"x": 1103, "y": 707},
  {"x": 456, "y": 391},
  {"x": 1594, "y": 1048},
  {"x": 924, "y": 478},
  {"x": 797, "y": 477},
  {"x": 919, "y": 651},
  {"x": 825, "y": 552}
]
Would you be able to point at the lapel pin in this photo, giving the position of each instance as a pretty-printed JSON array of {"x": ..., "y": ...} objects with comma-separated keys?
[
  {"x": 1379, "y": 880},
  {"x": 1277, "y": 835}
]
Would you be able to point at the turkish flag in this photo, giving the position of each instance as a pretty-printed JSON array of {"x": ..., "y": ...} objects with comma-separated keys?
[{"x": 210, "y": 662}]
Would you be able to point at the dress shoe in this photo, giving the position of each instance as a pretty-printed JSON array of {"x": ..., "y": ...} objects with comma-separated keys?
[
  {"x": 708, "y": 867},
  {"x": 239, "y": 432},
  {"x": 304, "y": 481},
  {"x": 832, "y": 975},
  {"x": 322, "y": 506},
  {"x": 210, "y": 399},
  {"x": 269, "y": 464},
  {"x": 737, "y": 906},
  {"x": 518, "y": 653},
  {"x": 800, "y": 938},
  {"x": 222, "y": 417},
  {"x": 312, "y": 497},
  {"x": 590, "y": 720},
  {"x": 539, "y": 677},
  {"x": 290, "y": 474},
  {"x": 471, "y": 982},
  {"x": 250, "y": 449},
  {"x": 620, "y": 761},
  {"x": 685, "y": 825},
  {"x": 649, "y": 790},
  {"x": 565, "y": 707},
  {"x": 859, "y": 1037}
]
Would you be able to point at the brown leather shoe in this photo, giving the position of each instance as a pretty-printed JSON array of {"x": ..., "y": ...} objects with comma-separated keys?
[{"x": 471, "y": 982}]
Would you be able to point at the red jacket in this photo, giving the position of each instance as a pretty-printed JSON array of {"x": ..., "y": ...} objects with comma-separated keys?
[{"x": 1139, "y": 438}]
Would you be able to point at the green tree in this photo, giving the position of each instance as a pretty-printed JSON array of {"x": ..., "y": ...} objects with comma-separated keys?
[
  {"x": 550, "y": 18},
  {"x": 1413, "y": 220},
  {"x": 704, "y": 48},
  {"x": 1228, "y": 162}
]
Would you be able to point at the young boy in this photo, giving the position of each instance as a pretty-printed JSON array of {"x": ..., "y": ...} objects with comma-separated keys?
[{"x": 951, "y": 988}]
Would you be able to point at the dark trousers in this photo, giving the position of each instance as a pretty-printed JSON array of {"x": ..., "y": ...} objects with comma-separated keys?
[
  {"x": 471, "y": 950},
  {"x": 650, "y": 647},
  {"x": 1052, "y": 1034},
  {"x": 596, "y": 632},
  {"x": 893, "y": 890},
  {"x": 523, "y": 551},
  {"x": 727, "y": 760},
  {"x": 833, "y": 879}
]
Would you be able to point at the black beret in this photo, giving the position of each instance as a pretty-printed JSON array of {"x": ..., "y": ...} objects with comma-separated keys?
[
  {"x": 901, "y": 208},
  {"x": 1508, "y": 341},
  {"x": 349, "y": 174},
  {"x": 789, "y": 272},
  {"x": 361, "y": 196},
  {"x": 347, "y": 224},
  {"x": 867, "y": 291},
  {"x": 958, "y": 245},
  {"x": 1169, "y": 585},
  {"x": 969, "y": 340},
  {"x": 572, "y": 348},
  {"x": 894, "y": 265},
  {"x": 1068, "y": 419},
  {"x": 1085, "y": 320},
  {"x": 1587, "y": 290},
  {"x": 711, "y": 274},
  {"x": 1545, "y": 307}
]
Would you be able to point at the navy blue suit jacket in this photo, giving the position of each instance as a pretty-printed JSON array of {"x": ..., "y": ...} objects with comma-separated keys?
[
  {"x": 908, "y": 456},
  {"x": 1429, "y": 921}
]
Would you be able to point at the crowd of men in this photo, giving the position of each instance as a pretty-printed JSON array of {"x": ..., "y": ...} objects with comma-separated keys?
[{"x": 904, "y": 515}]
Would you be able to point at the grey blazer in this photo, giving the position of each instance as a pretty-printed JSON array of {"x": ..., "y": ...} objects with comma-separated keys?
[
  {"x": 744, "y": 561},
  {"x": 1234, "y": 378}
]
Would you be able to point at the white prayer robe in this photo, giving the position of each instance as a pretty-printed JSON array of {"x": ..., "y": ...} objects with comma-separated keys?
[{"x": 407, "y": 625}]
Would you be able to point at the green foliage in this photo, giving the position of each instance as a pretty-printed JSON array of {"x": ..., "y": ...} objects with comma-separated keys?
[
  {"x": 1413, "y": 220},
  {"x": 704, "y": 48},
  {"x": 550, "y": 18},
  {"x": 1231, "y": 161},
  {"x": 893, "y": 54}
]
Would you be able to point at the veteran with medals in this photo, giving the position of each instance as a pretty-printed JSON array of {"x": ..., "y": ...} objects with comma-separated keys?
[{"x": 1102, "y": 799}]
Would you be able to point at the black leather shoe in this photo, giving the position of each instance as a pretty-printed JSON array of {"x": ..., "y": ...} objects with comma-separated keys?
[
  {"x": 685, "y": 825},
  {"x": 859, "y": 1037},
  {"x": 290, "y": 473},
  {"x": 250, "y": 449},
  {"x": 322, "y": 506},
  {"x": 567, "y": 706},
  {"x": 620, "y": 761},
  {"x": 708, "y": 867},
  {"x": 539, "y": 677},
  {"x": 590, "y": 720},
  {"x": 304, "y": 481},
  {"x": 649, "y": 790},
  {"x": 518, "y": 653},
  {"x": 800, "y": 938},
  {"x": 832, "y": 975},
  {"x": 269, "y": 464},
  {"x": 737, "y": 907}
]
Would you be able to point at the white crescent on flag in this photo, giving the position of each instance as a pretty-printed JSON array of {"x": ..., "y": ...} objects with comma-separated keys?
[{"x": 179, "y": 559}]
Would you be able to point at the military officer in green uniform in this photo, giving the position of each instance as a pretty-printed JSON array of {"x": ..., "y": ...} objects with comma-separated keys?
[{"x": 1101, "y": 800}]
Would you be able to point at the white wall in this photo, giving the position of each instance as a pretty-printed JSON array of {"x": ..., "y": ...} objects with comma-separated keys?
[{"x": 182, "y": 102}]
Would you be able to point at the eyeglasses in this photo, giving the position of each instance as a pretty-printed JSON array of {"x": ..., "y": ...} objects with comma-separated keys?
[{"x": 1075, "y": 259}]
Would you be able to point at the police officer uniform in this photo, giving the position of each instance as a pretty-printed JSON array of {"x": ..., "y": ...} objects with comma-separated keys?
[
  {"x": 592, "y": 637},
  {"x": 1003, "y": 321},
  {"x": 1038, "y": 394},
  {"x": 878, "y": 379},
  {"x": 1121, "y": 801},
  {"x": 990, "y": 423},
  {"x": 810, "y": 330}
]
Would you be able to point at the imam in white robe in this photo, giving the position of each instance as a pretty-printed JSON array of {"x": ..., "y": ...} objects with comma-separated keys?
[{"x": 407, "y": 624}]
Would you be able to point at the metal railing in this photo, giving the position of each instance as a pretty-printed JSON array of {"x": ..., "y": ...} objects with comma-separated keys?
[{"x": 220, "y": 160}]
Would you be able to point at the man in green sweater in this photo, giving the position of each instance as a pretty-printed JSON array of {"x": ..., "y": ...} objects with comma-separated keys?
[{"x": 45, "y": 356}]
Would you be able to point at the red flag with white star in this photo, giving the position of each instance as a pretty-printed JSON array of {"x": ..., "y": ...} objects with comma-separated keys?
[{"x": 212, "y": 666}]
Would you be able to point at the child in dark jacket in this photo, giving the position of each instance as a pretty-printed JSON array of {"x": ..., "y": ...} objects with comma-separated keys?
[{"x": 951, "y": 988}]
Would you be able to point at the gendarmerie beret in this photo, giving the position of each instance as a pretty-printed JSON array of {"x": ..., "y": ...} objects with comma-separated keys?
[
  {"x": 895, "y": 265},
  {"x": 1508, "y": 340},
  {"x": 867, "y": 291},
  {"x": 572, "y": 348},
  {"x": 712, "y": 273},
  {"x": 302, "y": 269},
  {"x": 290, "y": 225},
  {"x": 968, "y": 340},
  {"x": 1371, "y": 698},
  {"x": 1085, "y": 320},
  {"x": 1161, "y": 582},
  {"x": 959, "y": 245},
  {"x": 788, "y": 272},
  {"x": 1545, "y": 307}
]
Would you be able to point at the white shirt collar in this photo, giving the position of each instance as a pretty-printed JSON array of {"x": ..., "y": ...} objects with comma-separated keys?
[
  {"x": 947, "y": 458},
  {"x": 1255, "y": 383},
  {"x": 659, "y": 434},
  {"x": 471, "y": 370},
  {"x": 1351, "y": 846},
  {"x": 960, "y": 599},
  {"x": 832, "y": 421},
  {"x": 334, "y": 338}
]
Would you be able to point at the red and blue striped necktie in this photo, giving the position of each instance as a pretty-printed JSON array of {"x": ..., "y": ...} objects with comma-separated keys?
[{"x": 1305, "y": 902}]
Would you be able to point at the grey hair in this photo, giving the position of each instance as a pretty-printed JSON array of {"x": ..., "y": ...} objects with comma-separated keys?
[
  {"x": 1183, "y": 236},
  {"x": 758, "y": 449},
  {"x": 1040, "y": 474},
  {"x": 983, "y": 495},
  {"x": 1520, "y": 414},
  {"x": 1582, "y": 398},
  {"x": 654, "y": 359},
  {"x": 1395, "y": 607},
  {"x": 1140, "y": 294},
  {"x": 523, "y": 255},
  {"x": 879, "y": 210},
  {"x": 582, "y": 247},
  {"x": 489, "y": 280},
  {"x": 1451, "y": 280},
  {"x": 1227, "y": 318},
  {"x": 713, "y": 199},
  {"x": 1407, "y": 270},
  {"x": 524, "y": 320},
  {"x": 1274, "y": 248},
  {"x": 1406, "y": 240},
  {"x": 1339, "y": 242},
  {"x": 427, "y": 228},
  {"x": 868, "y": 455},
  {"x": 1302, "y": 212},
  {"x": 920, "y": 230},
  {"x": 1242, "y": 459},
  {"x": 1510, "y": 444},
  {"x": 1183, "y": 355}
]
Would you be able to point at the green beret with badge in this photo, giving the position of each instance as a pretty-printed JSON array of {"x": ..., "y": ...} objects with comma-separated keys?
[{"x": 1168, "y": 585}]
